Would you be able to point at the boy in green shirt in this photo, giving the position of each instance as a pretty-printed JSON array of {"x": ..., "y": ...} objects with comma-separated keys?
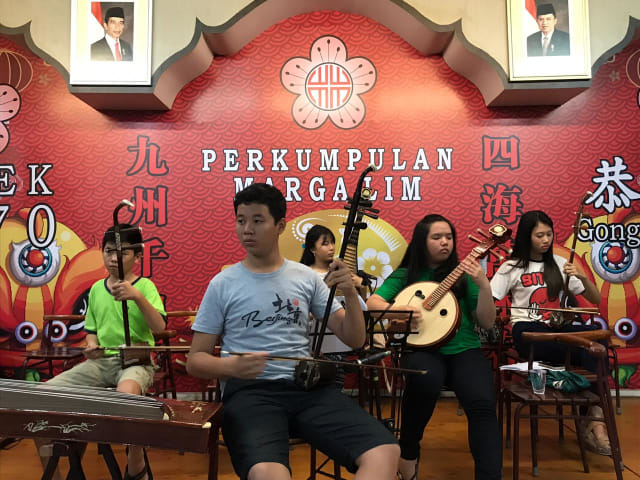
[{"x": 104, "y": 327}]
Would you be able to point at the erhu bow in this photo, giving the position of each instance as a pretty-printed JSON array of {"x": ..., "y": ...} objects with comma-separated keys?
[
  {"x": 560, "y": 319},
  {"x": 136, "y": 351}
]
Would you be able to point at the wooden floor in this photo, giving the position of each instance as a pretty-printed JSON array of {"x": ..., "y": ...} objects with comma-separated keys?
[{"x": 444, "y": 454}]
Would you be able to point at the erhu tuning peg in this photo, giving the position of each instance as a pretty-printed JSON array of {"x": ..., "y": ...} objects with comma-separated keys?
[
  {"x": 483, "y": 233},
  {"x": 499, "y": 230},
  {"x": 508, "y": 251},
  {"x": 474, "y": 239}
]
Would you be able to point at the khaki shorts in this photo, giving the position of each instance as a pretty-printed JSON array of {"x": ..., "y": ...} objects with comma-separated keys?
[{"x": 105, "y": 372}]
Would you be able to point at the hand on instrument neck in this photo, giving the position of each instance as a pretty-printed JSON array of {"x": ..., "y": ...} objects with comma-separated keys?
[
  {"x": 573, "y": 270},
  {"x": 340, "y": 276},
  {"x": 123, "y": 290}
]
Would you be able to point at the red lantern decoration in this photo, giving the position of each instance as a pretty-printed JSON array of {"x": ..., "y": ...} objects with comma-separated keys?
[
  {"x": 10, "y": 103},
  {"x": 15, "y": 69}
]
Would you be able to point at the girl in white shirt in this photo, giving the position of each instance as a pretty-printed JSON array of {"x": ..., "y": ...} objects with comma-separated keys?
[
  {"x": 319, "y": 251},
  {"x": 534, "y": 278}
]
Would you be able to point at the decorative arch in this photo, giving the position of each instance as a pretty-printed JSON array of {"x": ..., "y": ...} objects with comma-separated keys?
[{"x": 426, "y": 36}]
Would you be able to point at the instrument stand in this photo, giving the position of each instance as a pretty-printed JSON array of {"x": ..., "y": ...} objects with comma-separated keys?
[
  {"x": 395, "y": 340},
  {"x": 105, "y": 450},
  {"x": 74, "y": 451},
  {"x": 6, "y": 443},
  {"x": 374, "y": 394}
]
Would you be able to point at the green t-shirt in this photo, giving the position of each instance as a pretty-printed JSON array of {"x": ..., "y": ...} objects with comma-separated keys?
[
  {"x": 466, "y": 338},
  {"x": 104, "y": 315}
]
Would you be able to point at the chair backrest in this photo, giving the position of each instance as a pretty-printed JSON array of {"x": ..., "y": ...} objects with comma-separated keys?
[
  {"x": 164, "y": 380},
  {"x": 586, "y": 340}
]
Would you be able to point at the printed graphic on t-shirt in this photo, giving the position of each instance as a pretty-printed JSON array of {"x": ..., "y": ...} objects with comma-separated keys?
[
  {"x": 539, "y": 298},
  {"x": 286, "y": 311}
]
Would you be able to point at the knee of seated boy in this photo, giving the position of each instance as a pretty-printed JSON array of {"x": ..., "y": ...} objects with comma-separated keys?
[
  {"x": 381, "y": 461},
  {"x": 269, "y": 471},
  {"x": 129, "y": 386}
]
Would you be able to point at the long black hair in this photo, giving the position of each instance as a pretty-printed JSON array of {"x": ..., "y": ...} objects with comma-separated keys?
[
  {"x": 316, "y": 232},
  {"x": 522, "y": 251},
  {"x": 416, "y": 258}
]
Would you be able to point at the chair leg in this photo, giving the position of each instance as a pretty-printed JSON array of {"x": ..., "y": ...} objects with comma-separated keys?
[
  {"x": 560, "y": 422},
  {"x": 500, "y": 413},
  {"x": 580, "y": 427},
  {"x": 336, "y": 471},
  {"x": 615, "y": 375},
  {"x": 312, "y": 463},
  {"x": 516, "y": 441},
  {"x": 507, "y": 441},
  {"x": 612, "y": 431},
  {"x": 533, "y": 421}
]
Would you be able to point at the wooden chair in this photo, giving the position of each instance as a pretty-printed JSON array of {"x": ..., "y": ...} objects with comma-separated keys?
[
  {"x": 521, "y": 393},
  {"x": 164, "y": 379},
  {"x": 506, "y": 353}
]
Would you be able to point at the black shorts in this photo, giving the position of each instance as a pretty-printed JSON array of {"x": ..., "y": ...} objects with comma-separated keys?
[{"x": 261, "y": 415}]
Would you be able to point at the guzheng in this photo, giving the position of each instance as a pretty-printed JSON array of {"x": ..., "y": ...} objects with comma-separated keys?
[
  {"x": 21, "y": 395},
  {"x": 85, "y": 414}
]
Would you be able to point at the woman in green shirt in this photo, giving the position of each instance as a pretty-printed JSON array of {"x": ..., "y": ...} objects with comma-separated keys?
[{"x": 459, "y": 364}]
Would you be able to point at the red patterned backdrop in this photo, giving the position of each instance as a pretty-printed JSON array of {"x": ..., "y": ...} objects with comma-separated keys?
[{"x": 443, "y": 151}]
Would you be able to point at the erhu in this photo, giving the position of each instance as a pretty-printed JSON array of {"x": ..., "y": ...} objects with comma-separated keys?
[
  {"x": 312, "y": 366},
  {"x": 564, "y": 316},
  {"x": 130, "y": 359},
  {"x": 309, "y": 373}
]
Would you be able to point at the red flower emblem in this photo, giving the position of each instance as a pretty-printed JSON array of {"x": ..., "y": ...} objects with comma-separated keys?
[{"x": 328, "y": 85}]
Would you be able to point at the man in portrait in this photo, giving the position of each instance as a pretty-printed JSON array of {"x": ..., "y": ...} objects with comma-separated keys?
[
  {"x": 549, "y": 41},
  {"x": 111, "y": 47}
]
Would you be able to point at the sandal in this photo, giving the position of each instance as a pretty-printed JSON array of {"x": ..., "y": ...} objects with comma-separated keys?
[
  {"x": 600, "y": 446},
  {"x": 138, "y": 476}
]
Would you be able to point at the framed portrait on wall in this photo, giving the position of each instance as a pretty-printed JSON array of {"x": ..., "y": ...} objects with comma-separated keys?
[
  {"x": 548, "y": 40},
  {"x": 110, "y": 43}
]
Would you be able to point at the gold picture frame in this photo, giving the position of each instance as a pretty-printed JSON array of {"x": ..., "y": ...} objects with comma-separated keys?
[
  {"x": 88, "y": 62},
  {"x": 566, "y": 56}
]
